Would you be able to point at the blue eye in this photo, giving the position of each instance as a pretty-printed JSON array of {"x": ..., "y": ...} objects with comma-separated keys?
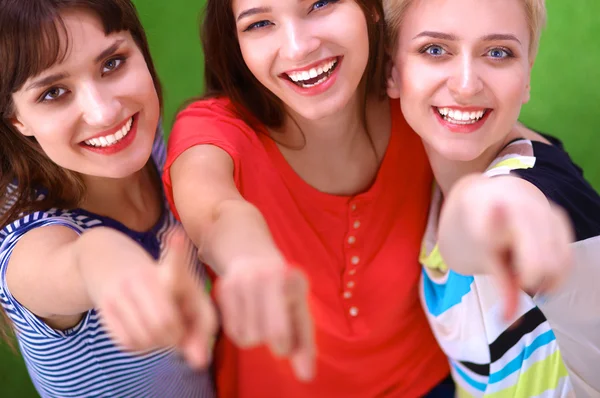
[
  {"x": 435, "y": 51},
  {"x": 499, "y": 53},
  {"x": 322, "y": 3},
  {"x": 257, "y": 25},
  {"x": 52, "y": 94},
  {"x": 112, "y": 64}
]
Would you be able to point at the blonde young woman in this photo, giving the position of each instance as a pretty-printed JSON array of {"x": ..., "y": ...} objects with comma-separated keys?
[{"x": 462, "y": 69}]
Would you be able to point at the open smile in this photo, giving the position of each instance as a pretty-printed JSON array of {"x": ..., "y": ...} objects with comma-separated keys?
[{"x": 313, "y": 75}]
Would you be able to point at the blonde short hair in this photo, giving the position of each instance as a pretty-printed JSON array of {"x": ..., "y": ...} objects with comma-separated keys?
[{"x": 395, "y": 10}]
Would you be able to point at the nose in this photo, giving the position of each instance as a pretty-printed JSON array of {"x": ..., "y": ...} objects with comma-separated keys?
[
  {"x": 100, "y": 107},
  {"x": 465, "y": 81},
  {"x": 298, "y": 42}
]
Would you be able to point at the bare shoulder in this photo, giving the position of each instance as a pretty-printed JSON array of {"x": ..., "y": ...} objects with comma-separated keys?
[
  {"x": 35, "y": 247},
  {"x": 529, "y": 134}
]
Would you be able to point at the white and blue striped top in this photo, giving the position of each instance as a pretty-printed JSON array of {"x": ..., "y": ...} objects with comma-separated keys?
[{"x": 83, "y": 361}]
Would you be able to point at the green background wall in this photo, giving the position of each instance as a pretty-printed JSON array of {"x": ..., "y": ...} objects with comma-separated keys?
[{"x": 565, "y": 93}]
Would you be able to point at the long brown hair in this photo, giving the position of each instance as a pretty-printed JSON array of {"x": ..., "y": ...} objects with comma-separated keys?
[
  {"x": 30, "y": 42},
  {"x": 226, "y": 73}
]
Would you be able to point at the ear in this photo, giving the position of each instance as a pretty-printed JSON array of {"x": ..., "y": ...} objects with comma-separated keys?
[
  {"x": 527, "y": 94},
  {"x": 17, "y": 124},
  {"x": 392, "y": 80}
]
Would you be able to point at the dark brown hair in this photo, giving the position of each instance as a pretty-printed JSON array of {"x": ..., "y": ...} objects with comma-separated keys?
[
  {"x": 30, "y": 42},
  {"x": 226, "y": 73}
]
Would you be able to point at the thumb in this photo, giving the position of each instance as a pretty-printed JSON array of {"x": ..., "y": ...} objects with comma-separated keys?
[
  {"x": 176, "y": 262},
  {"x": 199, "y": 317}
]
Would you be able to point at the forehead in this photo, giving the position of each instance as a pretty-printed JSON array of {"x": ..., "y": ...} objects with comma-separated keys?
[
  {"x": 467, "y": 18},
  {"x": 239, "y": 6},
  {"x": 82, "y": 39},
  {"x": 83, "y": 32}
]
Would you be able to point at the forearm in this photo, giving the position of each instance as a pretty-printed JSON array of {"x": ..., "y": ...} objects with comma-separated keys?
[
  {"x": 103, "y": 255},
  {"x": 227, "y": 229},
  {"x": 56, "y": 273},
  {"x": 237, "y": 231},
  {"x": 490, "y": 220},
  {"x": 457, "y": 244}
]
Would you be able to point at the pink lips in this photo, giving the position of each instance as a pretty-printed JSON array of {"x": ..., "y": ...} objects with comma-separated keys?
[
  {"x": 319, "y": 88},
  {"x": 119, "y": 146},
  {"x": 462, "y": 128}
]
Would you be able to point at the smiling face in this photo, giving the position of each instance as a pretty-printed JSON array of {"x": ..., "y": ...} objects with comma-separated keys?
[
  {"x": 312, "y": 55},
  {"x": 96, "y": 112},
  {"x": 462, "y": 71}
]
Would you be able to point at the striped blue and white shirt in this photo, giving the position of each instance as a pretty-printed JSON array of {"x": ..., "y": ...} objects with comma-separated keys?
[
  {"x": 492, "y": 357},
  {"x": 83, "y": 361}
]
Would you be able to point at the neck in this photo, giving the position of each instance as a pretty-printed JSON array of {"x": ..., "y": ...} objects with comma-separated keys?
[
  {"x": 447, "y": 171},
  {"x": 333, "y": 133},
  {"x": 356, "y": 137},
  {"x": 131, "y": 200}
]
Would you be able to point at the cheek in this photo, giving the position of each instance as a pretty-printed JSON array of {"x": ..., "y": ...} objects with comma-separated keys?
[
  {"x": 51, "y": 126},
  {"x": 416, "y": 82},
  {"x": 256, "y": 59},
  {"x": 137, "y": 83},
  {"x": 510, "y": 87}
]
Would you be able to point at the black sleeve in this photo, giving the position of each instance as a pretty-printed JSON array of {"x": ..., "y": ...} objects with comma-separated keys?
[{"x": 563, "y": 183}]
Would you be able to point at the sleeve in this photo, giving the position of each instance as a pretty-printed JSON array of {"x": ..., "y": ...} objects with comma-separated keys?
[
  {"x": 574, "y": 310},
  {"x": 208, "y": 122},
  {"x": 562, "y": 182},
  {"x": 24, "y": 320},
  {"x": 574, "y": 314}
]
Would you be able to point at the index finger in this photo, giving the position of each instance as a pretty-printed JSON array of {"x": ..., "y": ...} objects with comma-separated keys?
[{"x": 304, "y": 350}]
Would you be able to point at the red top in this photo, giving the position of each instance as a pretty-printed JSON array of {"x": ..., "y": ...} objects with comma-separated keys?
[{"x": 360, "y": 254}]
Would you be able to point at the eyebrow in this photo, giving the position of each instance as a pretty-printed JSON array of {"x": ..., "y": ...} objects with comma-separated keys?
[
  {"x": 110, "y": 50},
  {"x": 436, "y": 35},
  {"x": 253, "y": 11},
  {"x": 49, "y": 80},
  {"x": 451, "y": 37},
  {"x": 500, "y": 36}
]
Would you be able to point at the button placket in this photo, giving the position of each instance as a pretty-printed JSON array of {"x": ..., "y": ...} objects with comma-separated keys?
[{"x": 353, "y": 259}]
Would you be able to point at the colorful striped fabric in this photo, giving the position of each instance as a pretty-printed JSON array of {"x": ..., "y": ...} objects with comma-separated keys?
[{"x": 490, "y": 357}]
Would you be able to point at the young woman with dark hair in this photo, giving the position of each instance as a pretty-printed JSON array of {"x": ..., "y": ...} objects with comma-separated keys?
[
  {"x": 296, "y": 167},
  {"x": 104, "y": 299}
]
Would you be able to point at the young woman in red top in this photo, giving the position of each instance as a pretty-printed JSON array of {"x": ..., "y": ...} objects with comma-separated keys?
[{"x": 297, "y": 157}]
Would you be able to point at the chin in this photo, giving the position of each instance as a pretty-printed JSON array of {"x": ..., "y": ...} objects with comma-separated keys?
[
  {"x": 459, "y": 152},
  {"x": 315, "y": 109},
  {"x": 314, "y": 114}
]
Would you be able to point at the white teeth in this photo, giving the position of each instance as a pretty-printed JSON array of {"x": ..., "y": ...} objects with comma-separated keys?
[
  {"x": 316, "y": 83},
  {"x": 111, "y": 139},
  {"x": 456, "y": 116},
  {"x": 329, "y": 66},
  {"x": 301, "y": 76}
]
